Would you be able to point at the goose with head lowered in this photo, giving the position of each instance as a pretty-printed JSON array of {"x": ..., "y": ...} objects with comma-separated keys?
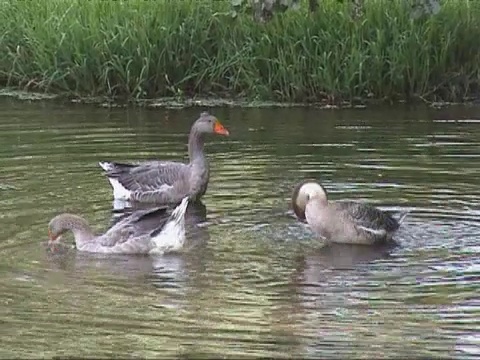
[
  {"x": 343, "y": 221},
  {"x": 167, "y": 182},
  {"x": 133, "y": 234}
]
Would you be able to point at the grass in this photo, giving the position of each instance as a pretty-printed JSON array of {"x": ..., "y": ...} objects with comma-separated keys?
[{"x": 146, "y": 49}]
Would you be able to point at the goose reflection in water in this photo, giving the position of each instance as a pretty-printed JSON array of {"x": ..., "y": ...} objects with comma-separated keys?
[{"x": 169, "y": 276}]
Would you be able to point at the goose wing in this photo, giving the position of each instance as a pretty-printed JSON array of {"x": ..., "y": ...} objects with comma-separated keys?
[
  {"x": 154, "y": 181},
  {"x": 139, "y": 224},
  {"x": 367, "y": 217}
]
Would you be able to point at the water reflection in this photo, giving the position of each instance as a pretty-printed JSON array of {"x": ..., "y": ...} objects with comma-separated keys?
[
  {"x": 255, "y": 282},
  {"x": 169, "y": 273},
  {"x": 342, "y": 256}
]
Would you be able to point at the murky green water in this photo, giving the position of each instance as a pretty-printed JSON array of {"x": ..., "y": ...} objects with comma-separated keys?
[{"x": 255, "y": 283}]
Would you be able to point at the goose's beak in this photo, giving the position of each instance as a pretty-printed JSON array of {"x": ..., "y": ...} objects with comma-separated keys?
[
  {"x": 53, "y": 237},
  {"x": 220, "y": 129}
]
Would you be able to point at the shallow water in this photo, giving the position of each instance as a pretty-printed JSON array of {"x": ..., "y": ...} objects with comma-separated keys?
[{"x": 254, "y": 282}]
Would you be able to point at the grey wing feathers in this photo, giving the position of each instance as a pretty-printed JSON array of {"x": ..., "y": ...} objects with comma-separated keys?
[
  {"x": 149, "y": 176},
  {"x": 154, "y": 181},
  {"x": 163, "y": 182},
  {"x": 144, "y": 214},
  {"x": 139, "y": 223},
  {"x": 146, "y": 179},
  {"x": 112, "y": 168},
  {"x": 368, "y": 216}
]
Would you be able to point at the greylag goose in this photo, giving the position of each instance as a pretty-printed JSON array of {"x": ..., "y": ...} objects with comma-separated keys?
[
  {"x": 167, "y": 182},
  {"x": 128, "y": 236},
  {"x": 343, "y": 221}
]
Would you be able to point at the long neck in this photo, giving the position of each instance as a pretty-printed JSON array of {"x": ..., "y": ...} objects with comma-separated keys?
[
  {"x": 317, "y": 212},
  {"x": 195, "y": 147},
  {"x": 81, "y": 231}
]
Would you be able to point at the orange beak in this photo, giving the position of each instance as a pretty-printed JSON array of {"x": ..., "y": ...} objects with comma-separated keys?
[
  {"x": 220, "y": 129},
  {"x": 51, "y": 236}
]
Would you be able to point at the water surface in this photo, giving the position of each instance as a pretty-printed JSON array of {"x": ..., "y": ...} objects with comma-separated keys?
[{"x": 255, "y": 282}]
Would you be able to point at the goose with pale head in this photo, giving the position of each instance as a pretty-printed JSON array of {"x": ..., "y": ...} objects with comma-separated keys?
[
  {"x": 342, "y": 221},
  {"x": 167, "y": 182},
  {"x": 128, "y": 236}
]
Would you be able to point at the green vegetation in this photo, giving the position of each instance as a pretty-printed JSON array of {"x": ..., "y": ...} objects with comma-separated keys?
[{"x": 146, "y": 49}]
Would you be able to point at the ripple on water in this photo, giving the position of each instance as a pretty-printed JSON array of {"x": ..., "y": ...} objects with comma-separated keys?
[{"x": 255, "y": 282}]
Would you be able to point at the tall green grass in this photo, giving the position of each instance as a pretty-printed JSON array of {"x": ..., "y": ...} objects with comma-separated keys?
[{"x": 144, "y": 49}]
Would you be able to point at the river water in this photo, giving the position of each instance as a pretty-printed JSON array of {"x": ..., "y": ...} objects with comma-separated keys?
[{"x": 255, "y": 282}]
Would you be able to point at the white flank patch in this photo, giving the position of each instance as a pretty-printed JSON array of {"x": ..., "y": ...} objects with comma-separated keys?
[
  {"x": 119, "y": 192},
  {"x": 120, "y": 205},
  {"x": 164, "y": 187},
  {"x": 403, "y": 216},
  {"x": 105, "y": 165},
  {"x": 172, "y": 236},
  {"x": 378, "y": 232}
]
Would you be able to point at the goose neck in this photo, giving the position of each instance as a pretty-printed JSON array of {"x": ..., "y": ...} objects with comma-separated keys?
[{"x": 196, "y": 146}]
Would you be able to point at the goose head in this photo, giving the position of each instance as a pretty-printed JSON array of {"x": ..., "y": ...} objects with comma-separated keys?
[
  {"x": 304, "y": 192},
  {"x": 62, "y": 223},
  {"x": 209, "y": 124}
]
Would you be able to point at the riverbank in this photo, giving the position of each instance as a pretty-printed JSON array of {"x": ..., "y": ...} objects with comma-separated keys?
[
  {"x": 137, "y": 50},
  {"x": 212, "y": 102}
]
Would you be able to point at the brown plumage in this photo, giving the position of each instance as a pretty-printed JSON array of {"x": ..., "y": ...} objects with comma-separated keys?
[{"x": 342, "y": 221}]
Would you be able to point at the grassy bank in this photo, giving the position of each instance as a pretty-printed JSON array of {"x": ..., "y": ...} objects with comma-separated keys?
[{"x": 146, "y": 49}]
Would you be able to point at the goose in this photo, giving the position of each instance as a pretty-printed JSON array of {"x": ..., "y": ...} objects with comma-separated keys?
[
  {"x": 129, "y": 235},
  {"x": 167, "y": 182},
  {"x": 342, "y": 221}
]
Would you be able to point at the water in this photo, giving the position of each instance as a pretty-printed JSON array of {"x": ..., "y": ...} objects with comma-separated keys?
[{"x": 255, "y": 282}]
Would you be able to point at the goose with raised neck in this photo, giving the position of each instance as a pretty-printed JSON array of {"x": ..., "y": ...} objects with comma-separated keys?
[{"x": 167, "y": 182}]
